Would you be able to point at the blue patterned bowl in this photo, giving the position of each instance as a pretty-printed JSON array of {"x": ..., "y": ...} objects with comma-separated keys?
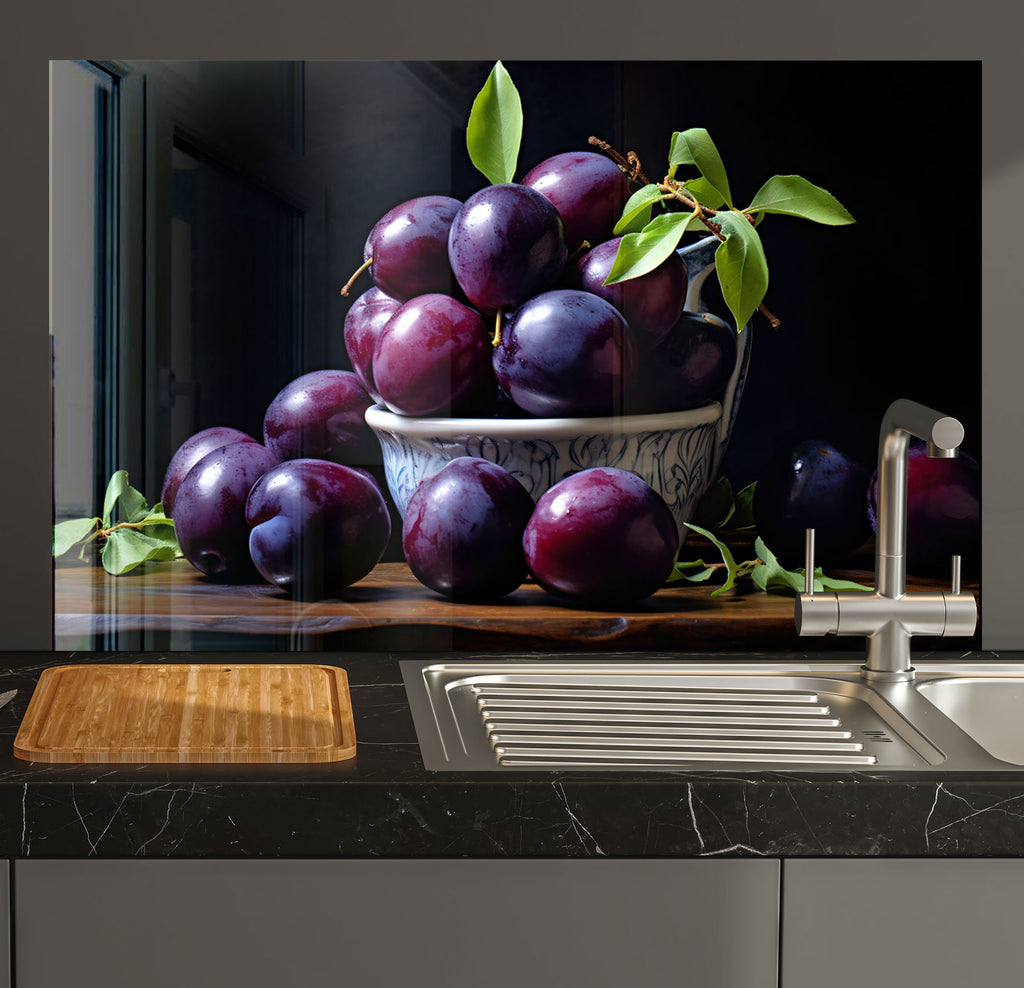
[{"x": 677, "y": 453}]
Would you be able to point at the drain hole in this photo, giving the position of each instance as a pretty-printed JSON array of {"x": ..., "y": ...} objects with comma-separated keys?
[{"x": 879, "y": 736}]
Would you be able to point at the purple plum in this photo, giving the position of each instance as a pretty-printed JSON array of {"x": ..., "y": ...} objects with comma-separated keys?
[
  {"x": 565, "y": 353},
  {"x": 209, "y": 512},
  {"x": 434, "y": 358},
  {"x": 409, "y": 247},
  {"x": 603, "y": 536},
  {"x": 316, "y": 527},
  {"x": 943, "y": 510},
  {"x": 190, "y": 452},
  {"x": 320, "y": 415},
  {"x": 688, "y": 368},
  {"x": 812, "y": 484},
  {"x": 364, "y": 322},
  {"x": 506, "y": 243},
  {"x": 651, "y": 304},
  {"x": 588, "y": 190},
  {"x": 463, "y": 530}
]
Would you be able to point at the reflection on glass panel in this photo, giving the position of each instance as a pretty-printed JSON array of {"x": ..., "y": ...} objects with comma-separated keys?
[{"x": 81, "y": 317}]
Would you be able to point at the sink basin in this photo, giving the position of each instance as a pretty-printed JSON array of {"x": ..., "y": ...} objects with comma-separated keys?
[
  {"x": 587, "y": 713},
  {"x": 990, "y": 710}
]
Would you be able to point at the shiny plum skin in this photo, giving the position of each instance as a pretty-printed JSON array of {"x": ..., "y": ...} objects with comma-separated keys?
[
  {"x": 565, "y": 353},
  {"x": 409, "y": 247},
  {"x": 812, "y": 485},
  {"x": 210, "y": 510},
  {"x": 320, "y": 415},
  {"x": 603, "y": 536},
  {"x": 688, "y": 368},
  {"x": 434, "y": 358},
  {"x": 651, "y": 304},
  {"x": 943, "y": 510},
  {"x": 463, "y": 530},
  {"x": 506, "y": 244},
  {"x": 364, "y": 322},
  {"x": 190, "y": 452},
  {"x": 588, "y": 190},
  {"x": 316, "y": 527}
]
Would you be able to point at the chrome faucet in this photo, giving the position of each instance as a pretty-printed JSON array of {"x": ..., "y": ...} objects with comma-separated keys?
[{"x": 889, "y": 616}]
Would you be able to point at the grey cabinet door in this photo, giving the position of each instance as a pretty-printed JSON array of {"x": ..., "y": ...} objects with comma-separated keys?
[
  {"x": 377, "y": 923},
  {"x": 881, "y": 922}
]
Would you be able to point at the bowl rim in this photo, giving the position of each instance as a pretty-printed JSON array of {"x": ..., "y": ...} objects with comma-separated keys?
[{"x": 380, "y": 419}]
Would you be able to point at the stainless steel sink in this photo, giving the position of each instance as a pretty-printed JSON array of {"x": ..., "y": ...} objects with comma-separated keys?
[
  {"x": 989, "y": 709},
  {"x": 589, "y": 713}
]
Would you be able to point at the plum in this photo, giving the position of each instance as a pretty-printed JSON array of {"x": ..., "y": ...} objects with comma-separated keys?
[
  {"x": 651, "y": 304},
  {"x": 463, "y": 530},
  {"x": 506, "y": 243},
  {"x": 317, "y": 527},
  {"x": 209, "y": 512},
  {"x": 603, "y": 536},
  {"x": 434, "y": 358},
  {"x": 689, "y": 367},
  {"x": 190, "y": 452},
  {"x": 364, "y": 322},
  {"x": 408, "y": 246},
  {"x": 943, "y": 510},
  {"x": 319, "y": 415},
  {"x": 588, "y": 190},
  {"x": 563, "y": 353},
  {"x": 815, "y": 485}
]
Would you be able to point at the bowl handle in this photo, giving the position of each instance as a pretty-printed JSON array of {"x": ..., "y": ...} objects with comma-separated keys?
[{"x": 699, "y": 259}]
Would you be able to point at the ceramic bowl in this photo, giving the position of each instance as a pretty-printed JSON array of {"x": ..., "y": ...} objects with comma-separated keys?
[{"x": 675, "y": 453}]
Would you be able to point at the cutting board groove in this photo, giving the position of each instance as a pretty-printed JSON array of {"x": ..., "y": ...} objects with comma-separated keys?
[{"x": 216, "y": 712}]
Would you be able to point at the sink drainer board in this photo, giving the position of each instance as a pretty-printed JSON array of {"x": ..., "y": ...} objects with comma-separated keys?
[{"x": 508, "y": 716}]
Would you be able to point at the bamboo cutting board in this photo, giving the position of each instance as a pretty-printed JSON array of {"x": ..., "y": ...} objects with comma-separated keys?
[{"x": 217, "y": 712}]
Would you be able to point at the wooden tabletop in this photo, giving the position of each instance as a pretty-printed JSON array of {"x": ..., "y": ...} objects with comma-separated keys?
[{"x": 389, "y": 609}]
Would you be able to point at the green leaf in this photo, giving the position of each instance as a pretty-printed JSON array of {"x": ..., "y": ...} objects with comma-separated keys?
[
  {"x": 695, "y": 147},
  {"x": 743, "y": 516},
  {"x": 637, "y": 206},
  {"x": 741, "y": 265},
  {"x": 679, "y": 572},
  {"x": 795, "y": 196},
  {"x": 68, "y": 533},
  {"x": 727, "y": 557},
  {"x": 115, "y": 488},
  {"x": 495, "y": 127},
  {"x": 127, "y": 548},
  {"x": 773, "y": 577},
  {"x": 120, "y": 495},
  {"x": 705, "y": 193},
  {"x": 642, "y": 252},
  {"x": 717, "y": 505}
]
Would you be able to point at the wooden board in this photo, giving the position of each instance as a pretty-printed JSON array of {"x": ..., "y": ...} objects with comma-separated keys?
[{"x": 218, "y": 712}]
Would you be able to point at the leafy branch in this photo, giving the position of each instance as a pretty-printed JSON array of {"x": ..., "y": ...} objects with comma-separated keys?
[
  {"x": 706, "y": 201},
  {"x": 720, "y": 510},
  {"x": 129, "y": 531}
]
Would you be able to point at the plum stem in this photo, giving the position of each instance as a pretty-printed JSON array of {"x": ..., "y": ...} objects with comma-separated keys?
[
  {"x": 496, "y": 339},
  {"x": 362, "y": 267},
  {"x": 629, "y": 164}
]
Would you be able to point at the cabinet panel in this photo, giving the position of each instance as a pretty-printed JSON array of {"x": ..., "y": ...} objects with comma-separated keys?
[
  {"x": 940, "y": 923},
  {"x": 376, "y": 923}
]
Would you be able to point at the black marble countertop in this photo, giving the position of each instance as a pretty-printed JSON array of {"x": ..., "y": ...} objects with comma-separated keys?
[{"x": 383, "y": 803}]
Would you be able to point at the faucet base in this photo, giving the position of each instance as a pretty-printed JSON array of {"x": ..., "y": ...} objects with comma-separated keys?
[{"x": 887, "y": 676}]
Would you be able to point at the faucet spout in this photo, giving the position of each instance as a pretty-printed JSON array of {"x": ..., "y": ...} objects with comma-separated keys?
[{"x": 943, "y": 434}]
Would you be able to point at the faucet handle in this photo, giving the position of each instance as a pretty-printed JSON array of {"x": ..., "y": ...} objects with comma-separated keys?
[
  {"x": 956, "y": 574},
  {"x": 809, "y": 563}
]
